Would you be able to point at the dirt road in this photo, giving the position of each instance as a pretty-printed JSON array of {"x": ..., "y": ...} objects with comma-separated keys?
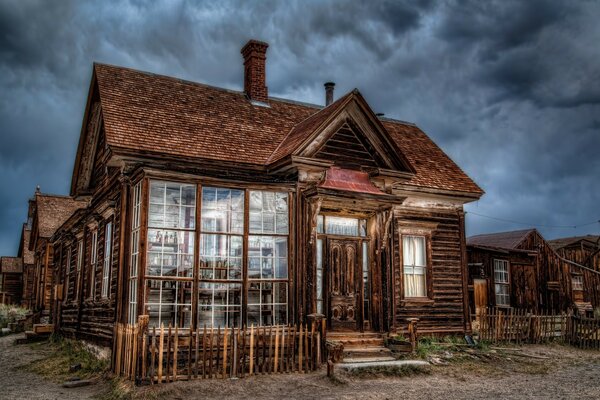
[
  {"x": 558, "y": 372},
  {"x": 537, "y": 372},
  {"x": 15, "y": 383}
]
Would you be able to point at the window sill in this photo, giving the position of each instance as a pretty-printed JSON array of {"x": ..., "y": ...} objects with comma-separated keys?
[{"x": 416, "y": 301}]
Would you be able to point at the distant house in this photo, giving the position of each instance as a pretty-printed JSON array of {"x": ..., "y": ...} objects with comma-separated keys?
[
  {"x": 584, "y": 250},
  {"x": 27, "y": 258},
  {"x": 11, "y": 276},
  {"x": 520, "y": 269},
  {"x": 211, "y": 207},
  {"x": 47, "y": 213}
]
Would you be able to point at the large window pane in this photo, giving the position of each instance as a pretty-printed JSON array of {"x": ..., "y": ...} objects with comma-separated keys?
[
  {"x": 267, "y": 257},
  {"x": 172, "y": 205},
  {"x": 221, "y": 257},
  {"x": 170, "y": 253},
  {"x": 269, "y": 212},
  {"x": 267, "y": 303},
  {"x": 169, "y": 303},
  {"x": 222, "y": 210},
  {"x": 219, "y": 304}
]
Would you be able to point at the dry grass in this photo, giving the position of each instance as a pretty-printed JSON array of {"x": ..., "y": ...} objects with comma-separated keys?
[{"x": 64, "y": 353}]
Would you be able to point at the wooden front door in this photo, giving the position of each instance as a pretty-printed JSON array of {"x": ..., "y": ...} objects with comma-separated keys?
[
  {"x": 345, "y": 283},
  {"x": 480, "y": 290}
]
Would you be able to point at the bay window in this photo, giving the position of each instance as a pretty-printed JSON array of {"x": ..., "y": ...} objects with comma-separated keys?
[{"x": 240, "y": 267}]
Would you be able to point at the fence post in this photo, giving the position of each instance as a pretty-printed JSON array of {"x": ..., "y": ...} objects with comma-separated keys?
[
  {"x": 143, "y": 321},
  {"x": 412, "y": 333}
]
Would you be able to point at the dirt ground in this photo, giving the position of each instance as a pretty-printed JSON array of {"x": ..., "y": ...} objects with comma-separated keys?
[
  {"x": 15, "y": 383},
  {"x": 529, "y": 372},
  {"x": 559, "y": 372}
]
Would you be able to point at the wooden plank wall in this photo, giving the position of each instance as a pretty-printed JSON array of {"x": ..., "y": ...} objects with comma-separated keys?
[
  {"x": 585, "y": 255},
  {"x": 445, "y": 313}
]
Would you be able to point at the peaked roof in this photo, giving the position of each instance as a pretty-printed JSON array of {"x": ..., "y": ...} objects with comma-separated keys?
[
  {"x": 11, "y": 265},
  {"x": 24, "y": 252},
  {"x": 503, "y": 240},
  {"x": 53, "y": 210},
  {"x": 152, "y": 114},
  {"x": 564, "y": 242}
]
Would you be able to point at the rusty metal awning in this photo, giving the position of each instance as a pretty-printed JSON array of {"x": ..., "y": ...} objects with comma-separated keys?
[{"x": 349, "y": 180}]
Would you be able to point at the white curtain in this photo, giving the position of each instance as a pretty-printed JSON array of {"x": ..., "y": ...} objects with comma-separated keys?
[{"x": 414, "y": 266}]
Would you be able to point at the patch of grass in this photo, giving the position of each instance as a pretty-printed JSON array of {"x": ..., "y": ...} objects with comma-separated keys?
[
  {"x": 66, "y": 352},
  {"x": 427, "y": 346},
  {"x": 390, "y": 370},
  {"x": 120, "y": 389},
  {"x": 10, "y": 314}
]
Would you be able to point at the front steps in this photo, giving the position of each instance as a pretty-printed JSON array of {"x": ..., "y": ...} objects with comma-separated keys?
[{"x": 361, "y": 347}]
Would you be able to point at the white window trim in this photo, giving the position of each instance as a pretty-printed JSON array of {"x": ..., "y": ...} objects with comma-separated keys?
[
  {"x": 503, "y": 283},
  {"x": 424, "y": 267},
  {"x": 107, "y": 265},
  {"x": 93, "y": 263}
]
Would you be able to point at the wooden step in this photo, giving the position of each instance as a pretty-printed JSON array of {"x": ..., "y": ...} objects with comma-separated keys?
[
  {"x": 367, "y": 360},
  {"x": 352, "y": 343},
  {"x": 43, "y": 328},
  {"x": 367, "y": 352}
]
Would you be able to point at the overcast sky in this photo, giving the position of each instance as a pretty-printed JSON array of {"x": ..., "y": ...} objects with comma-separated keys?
[{"x": 509, "y": 89}]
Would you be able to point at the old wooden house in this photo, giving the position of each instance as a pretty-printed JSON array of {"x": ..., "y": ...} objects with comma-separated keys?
[
  {"x": 11, "y": 276},
  {"x": 214, "y": 207},
  {"x": 520, "y": 269},
  {"x": 27, "y": 257},
  {"x": 585, "y": 251},
  {"x": 47, "y": 212}
]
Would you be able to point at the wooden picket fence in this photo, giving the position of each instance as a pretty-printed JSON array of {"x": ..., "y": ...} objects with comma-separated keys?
[
  {"x": 523, "y": 326},
  {"x": 169, "y": 354},
  {"x": 585, "y": 332},
  {"x": 125, "y": 350}
]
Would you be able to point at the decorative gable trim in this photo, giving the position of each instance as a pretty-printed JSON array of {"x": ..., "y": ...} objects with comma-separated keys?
[
  {"x": 88, "y": 151},
  {"x": 354, "y": 115}
]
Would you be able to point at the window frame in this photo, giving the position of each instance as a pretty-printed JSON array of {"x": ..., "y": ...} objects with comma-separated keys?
[
  {"x": 426, "y": 268},
  {"x": 505, "y": 284},
  {"x": 577, "y": 282},
  {"x": 93, "y": 262},
  {"x": 273, "y": 280},
  {"x": 78, "y": 268},
  {"x": 107, "y": 260}
]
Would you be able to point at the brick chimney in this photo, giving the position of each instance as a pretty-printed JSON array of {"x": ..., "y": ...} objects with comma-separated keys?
[
  {"x": 255, "y": 56},
  {"x": 329, "y": 93}
]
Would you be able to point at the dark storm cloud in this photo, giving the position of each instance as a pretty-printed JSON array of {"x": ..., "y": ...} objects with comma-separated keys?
[{"x": 510, "y": 89}]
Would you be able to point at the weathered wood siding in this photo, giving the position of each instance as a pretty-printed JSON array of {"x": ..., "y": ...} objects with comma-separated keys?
[{"x": 443, "y": 312}]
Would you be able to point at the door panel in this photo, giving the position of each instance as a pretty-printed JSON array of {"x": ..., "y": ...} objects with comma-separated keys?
[{"x": 345, "y": 283}]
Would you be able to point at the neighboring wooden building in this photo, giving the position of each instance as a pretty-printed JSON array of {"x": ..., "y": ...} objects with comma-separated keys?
[
  {"x": 27, "y": 257},
  {"x": 48, "y": 212},
  {"x": 520, "y": 269},
  {"x": 11, "y": 275},
  {"x": 584, "y": 250},
  {"x": 211, "y": 206}
]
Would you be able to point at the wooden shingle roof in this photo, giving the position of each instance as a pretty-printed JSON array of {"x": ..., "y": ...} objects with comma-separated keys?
[
  {"x": 11, "y": 265},
  {"x": 503, "y": 240},
  {"x": 53, "y": 210},
  {"x": 155, "y": 114}
]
